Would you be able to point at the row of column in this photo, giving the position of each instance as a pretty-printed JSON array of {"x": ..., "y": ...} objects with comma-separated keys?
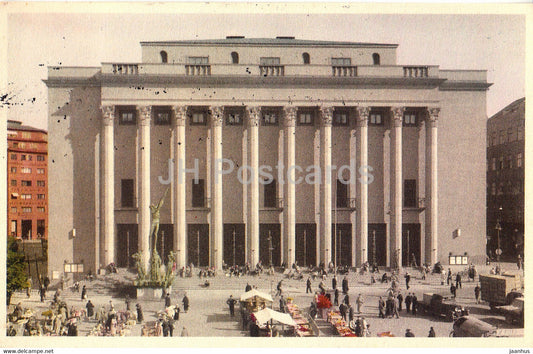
[{"x": 254, "y": 116}]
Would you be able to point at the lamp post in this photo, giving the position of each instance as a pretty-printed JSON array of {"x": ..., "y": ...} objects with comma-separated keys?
[
  {"x": 373, "y": 247},
  {"x": 234, "y": 246},
  {"x": 270, "y": 248},
  {"x": 305, "y": 248},
  {"x": 498, "y": 229}
]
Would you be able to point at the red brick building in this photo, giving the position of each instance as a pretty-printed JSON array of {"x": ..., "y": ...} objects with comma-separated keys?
[{"x": 27, "y": 171}]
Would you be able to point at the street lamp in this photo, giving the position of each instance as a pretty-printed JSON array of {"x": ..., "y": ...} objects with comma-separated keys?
[
  {"x": 373, "y": 247},
  {"x": 234, "y": 246},
  {"x": 270, "y": 248},
  {"x": 498, "y": 228}
]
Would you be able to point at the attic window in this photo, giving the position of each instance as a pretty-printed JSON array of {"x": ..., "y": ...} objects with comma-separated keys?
[
  {"x": 376, "y": 58},
  {"x": 235, "y": 57},
  {"x": 164, "y": 56},
  {"x": 306, "y": 58}
]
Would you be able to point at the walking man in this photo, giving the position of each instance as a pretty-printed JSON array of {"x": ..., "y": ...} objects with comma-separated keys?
[
  {"x": 278, "y": 293},
  {"x": 308, "y": 288},
  {"x": 453, "y": 290},
  {"x": 407, "y": 280},
  {"x": 458, "y": 284},
  {"x": 231, "y": 303},
  {"x": 449, "y": 278},
  {"x": 477, "y": 292},
  {"x": 336, "y": 302},
  {"x": 395, "y": 308},
  {"x": 185, "y": 303},
  {"x": 414, "y": 305},
  {"x": 167, "y": 300},
  {"x": 345, "y": 285},
  {"x": 400, "y": 300},
  {"x": 381, "y": 307},
  {"x": 359, "y": 303},
  {"x": 408, "y": 300},
  {"x": 334, "y": 282}
]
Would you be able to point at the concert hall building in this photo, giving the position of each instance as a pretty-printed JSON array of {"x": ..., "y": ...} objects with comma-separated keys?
[{"x": 249, "y": 135}]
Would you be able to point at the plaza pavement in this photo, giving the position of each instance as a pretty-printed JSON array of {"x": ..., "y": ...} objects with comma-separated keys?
[{"x": 209, "y": 315}]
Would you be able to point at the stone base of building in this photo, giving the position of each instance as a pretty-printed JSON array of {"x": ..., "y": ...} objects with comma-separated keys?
[{"x": 148, "y": 293}]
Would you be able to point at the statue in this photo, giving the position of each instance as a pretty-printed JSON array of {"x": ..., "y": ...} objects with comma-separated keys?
[
  {"x": 155, "y": 210},
  {"x": 169, "y": 271},
  {"x": 141, "y": 275}
]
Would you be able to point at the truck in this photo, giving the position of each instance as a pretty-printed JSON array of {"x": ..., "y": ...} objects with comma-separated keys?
[
  {"x": 441, "y": 306},
  {"x": 500, "y": 290},
  {"x": 514, "y": 312}
]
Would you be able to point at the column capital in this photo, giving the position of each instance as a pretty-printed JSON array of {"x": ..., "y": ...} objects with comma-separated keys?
[
  {"x": 289, "y": 116},
  {"x": 217, "y": 115},
  {"x": 254, "y": 115},
  {"x": 397, "y": 116},
  {"x": 108, "y": 114},
  {"x": 433, "y": 116},
  {"x": 180, "y": 115},
  {"x": 363, "y": 112},
  {"x": 326, "y": 115},
  {"x": 145, "y": 114}
]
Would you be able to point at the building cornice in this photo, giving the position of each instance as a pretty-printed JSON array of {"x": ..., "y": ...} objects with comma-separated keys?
[{"x": 465, "y": 86}]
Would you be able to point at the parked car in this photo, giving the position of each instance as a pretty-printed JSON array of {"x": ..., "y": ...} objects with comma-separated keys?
[
  {"x": 469, "y": 326},
  {"x": 441, "y": 306},
  {"x": 499, "y": 290},
  {"x": 514, "y": 313}
]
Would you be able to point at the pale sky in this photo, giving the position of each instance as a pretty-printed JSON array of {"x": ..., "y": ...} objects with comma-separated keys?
[{"x": 495, "y": 43}]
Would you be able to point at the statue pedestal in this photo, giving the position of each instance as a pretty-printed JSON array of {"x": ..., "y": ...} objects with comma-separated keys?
[{"x": 149, "y": 293}]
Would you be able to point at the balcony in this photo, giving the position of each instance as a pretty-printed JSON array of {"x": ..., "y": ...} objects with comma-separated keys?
[
  {"x": 344, "y": 71},
  {"x": 126, "y": 69},
  {"x": 415, "y": 71},
  {"x": 271, "y": 70},
  {"x": 198, "y": 70}
]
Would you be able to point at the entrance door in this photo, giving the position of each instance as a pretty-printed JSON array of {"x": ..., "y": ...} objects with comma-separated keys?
[
  {"x": 341, "y": 244},
  {"x": 234, "y": 244},
  {"x": 165, "y": 241},
  {"x": 127, "y": 244},
  {"x": 377, "y": 244},
  {"x": 270, "y": 244},
  {"x": 198, "y": 244},
  {"x": 410, "y": 245},
  {"x": 306, "y": 244},
  {"x": 26, "y": 229}
]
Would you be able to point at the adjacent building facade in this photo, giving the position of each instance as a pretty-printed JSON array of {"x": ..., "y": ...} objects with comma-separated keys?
[
  {"x": 387, "y": 160},
  {"x": 27, "y": 171},
  {"x": 505, "y": 181}
]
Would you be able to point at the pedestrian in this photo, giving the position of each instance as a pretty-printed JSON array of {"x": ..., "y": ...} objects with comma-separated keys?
[
  {"x": 84, "y": 293},
  {"x": 431, "y": 332},
  {"x": 42, "y": 293},
  {"x": 347, "y": 300},
  {"x": 381, "y": 307},
  {"x": 360, "y": 301},
  {"x": 458, "y": 284},
  {"x": 128, "y": 303},
  {"x": 46, "y": 283},
  {"x": 342, "y": 310},
  {"x": 279, "y": 291},
  {"x": 281, "y": 304},
  {"x": 453, "y": 290},
  {"x": 231, "y": 303},
  {"x": 395, "y": 308},
  {"x": 185, "y": 303},
  {"x": 414, "y": 305},
  {"x": 171, "y": 327},
  {"x": 345, "y": 285},
  {"x": 176, "y": 313},
  {"x": 408, "y": 333},
  {"x": 29, "y": 284},
  {"x": 167, "y": 300},
  {"x": 334, "y": 282},
  {"x": 247, "y": 288},
  {"x": 350, "y": 313},
  {"x": 140, "y": 315},
  {"x": 164, "y": 325},
  {"x": 400, "y": 300},
  {"x": 308, "y": 288},
  {"x": 90, "y": 309},
  {"x": 477, "y": 292},
  {"x": 184, "y": 332},
  {"x": 519, "y": 262},
  {"x": 408, "y": 300},
  {"x": 407, "y": 280},
  {"x": 449, "y": 278},
  {"x": 336, "y": 294}
]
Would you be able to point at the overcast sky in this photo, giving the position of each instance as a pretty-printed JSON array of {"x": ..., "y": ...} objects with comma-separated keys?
[{"x": 495, "y": 43}]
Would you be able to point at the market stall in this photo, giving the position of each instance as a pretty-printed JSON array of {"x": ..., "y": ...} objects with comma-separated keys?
[
  {"x": 335, "y": 318},
  {"x": 303, "y": 327}
]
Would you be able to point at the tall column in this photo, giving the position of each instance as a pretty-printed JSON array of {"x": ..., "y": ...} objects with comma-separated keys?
[
  {"x": 180, "y": 182},
  {"x": 108, "y": 180},
  {"x": 145, "y": 114},
  {"x": 290, "y": 187},
  {"x": 254, "y": 116},
  {"x": 217, "y": 223},
  {"x": 326, "y": 115},
  {"x": 397, "y": 197},
  {"x": 432, "y": 185},
  {"x": 362, "y": 201}
]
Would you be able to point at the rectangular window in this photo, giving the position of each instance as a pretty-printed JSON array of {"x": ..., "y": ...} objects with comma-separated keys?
[
  {"x": 13, "y": 209},
  {"x": 198, "y": 60},
  {"x": 40, "y": 171},
  {"x": 26, "y": 135},
  {"x": 519, "y": 160},
  {"x": 520, "y": 132},
  {"x": 13, "y": 170},
  {"x": 13, "y": 182},
  {"x": 493, "y": 189},
  {"x": 13, "y": 156},
  {"x": 40, "y": 157},
  {"x": 500, "y": 167},
  {"x": 41, "y": 196},
  {"x": 26, "y": 209},
  {"x": 269, "y": 61},
  {"x": 40, "y": 209},
  {"x": 409, "y": 193},
  {"x": 269, "y": 194},
  {"x": 13, "y": 227},
  {"x": 409, "y": 119},
  {"x": 30, "y": 157},
  {"x": 502, "y": 137},
  {"x": 15, "y": 145},
  {"x": 234, "y": 117},
  {"x": 376, "y": 118},
  {"x": 305, "y": 118},
  {"x": 510, "y": 135},
  {"x": 341, "y": 61},
  {"x": 162, "y": 117},
  {"x": 198, "y": 193},
  {"x": 340, "y": 118},
  {"x": 22, "y": 157},
  {"x": 25, "y": 196},
  {"x": 22, "y": 145},
  {"x": 25, "y": 170},
  {"x": 40, "y": 228},
  {"x": 127, "y": 117},
  {"x": 342, "y": 194},
  {"x": 494, "y": 164},
  {"x": 127, "y": 193},
  {"x": 41, "y": 183},
  {"x": 494, "y": 139},
  {"x": 270, "y": 118},
  {"x": 510, "y": 161},
  {"x": 198, "y": 118},
  {"x": 25, "y": 183}
]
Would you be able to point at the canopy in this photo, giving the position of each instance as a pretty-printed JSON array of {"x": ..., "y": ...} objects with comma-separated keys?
[
  {"x": 266, "y": 315},
  {"x": 254, "y": 294}
]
